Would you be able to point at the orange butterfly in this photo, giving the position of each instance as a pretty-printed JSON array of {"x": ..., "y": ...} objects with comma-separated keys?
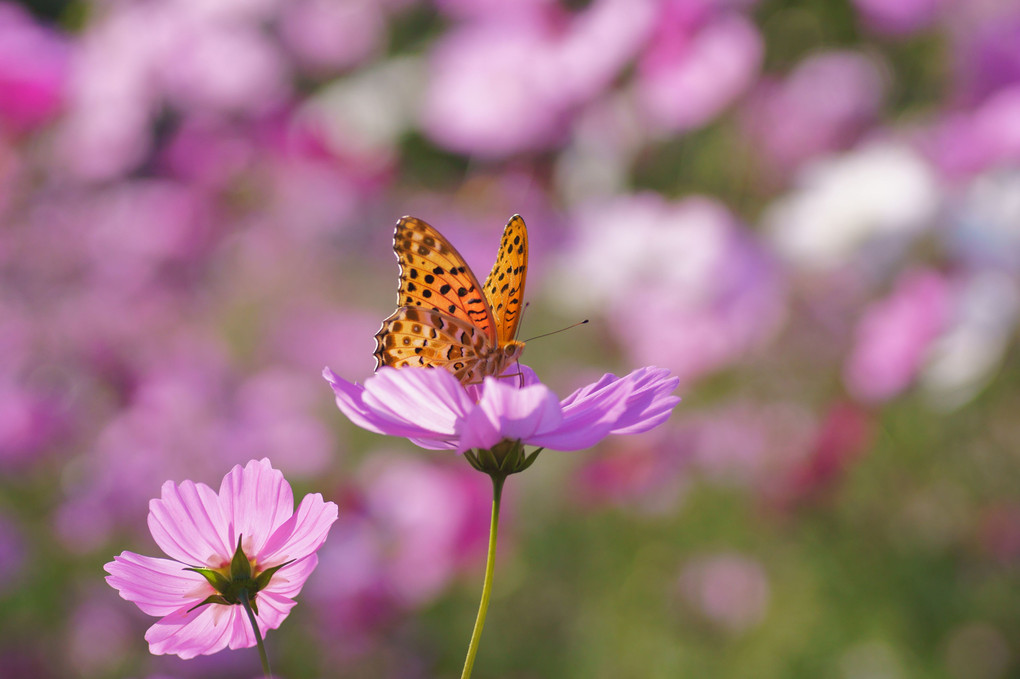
[{"x": 444, "y": 318}]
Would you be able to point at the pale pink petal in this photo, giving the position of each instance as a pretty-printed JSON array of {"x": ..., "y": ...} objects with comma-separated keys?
[
  {"x": 288, "y": 581},
  {"x": 157, "y": 586},
  {"x": 650, "y": 401},
  {"x": 585, "y": 422},
  {"x": 188, "y": 524},
  {"x": 353, "y": 400},
  {"x": 432, "y": 401},
  {"x": 241, "y": 635},
  {"x": 434, "y": 444},
  {"x": 256, "y": 500},
  {"x": 273, "y": 610},
  {"x": 301, "y": 535},
  {"x": 506, "y": 412},
  {"x": 202, "y": 631}
]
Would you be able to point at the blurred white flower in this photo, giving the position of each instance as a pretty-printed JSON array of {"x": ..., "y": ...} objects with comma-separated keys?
[
  {"x": 880, "y": 194},
  {"x": 966, "y": 357}
]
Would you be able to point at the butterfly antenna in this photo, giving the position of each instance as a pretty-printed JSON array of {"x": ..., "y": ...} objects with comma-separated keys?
[
  {"x": 556, "y": 331},
  {"x": 520, "y": 323}
]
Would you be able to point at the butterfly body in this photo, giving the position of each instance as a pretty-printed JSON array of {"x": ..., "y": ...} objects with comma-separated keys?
[{"x": 444, "y": 317}]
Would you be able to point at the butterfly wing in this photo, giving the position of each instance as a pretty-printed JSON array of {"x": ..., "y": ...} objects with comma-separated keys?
[
  {"x": 433, "y": 275},
  {"x": 504, "y": 288},
  {"x": 413, "y": 336}
]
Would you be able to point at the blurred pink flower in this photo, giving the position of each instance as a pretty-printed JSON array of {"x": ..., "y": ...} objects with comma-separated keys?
[
  {"x": 253, "y": 512},
  {"x": 895, "y": 335},
  {"x": 34, "y": 67},
  {"x": 695, "y": 64},
  {"x": 822, "y": 105},
  {"x": 685, "y": 270},
  {"x": 325, "y": 35},
  {"x": 987, "y": 57},
  {"x": 840, "y": 440},
  {"x": 646, "y": 474},
  {"x": 433, "y": 410},
  {"x": 433, "y": 515},
  {"x": 408, "y": 527},
  {"x": 489, "y": 9},
  {"x": 511, "y": 82},
  {"x": 898, "y": 17},
  {"x": 750, "y": 445},
  {"x": 729, "y": 589},
  {"x": 965, "y": 143},
  {"x": 188, "y": 414}
]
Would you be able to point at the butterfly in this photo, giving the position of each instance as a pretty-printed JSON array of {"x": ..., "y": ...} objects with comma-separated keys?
[{"x": 444, "y": 317}]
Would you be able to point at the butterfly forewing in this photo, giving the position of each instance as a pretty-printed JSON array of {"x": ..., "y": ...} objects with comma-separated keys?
[
  {"x": 433, "y": 275},
  {"x": 504, "y": 288}
]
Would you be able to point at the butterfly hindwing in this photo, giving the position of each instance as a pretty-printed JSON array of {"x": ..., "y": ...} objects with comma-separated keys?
[
  {"x": 504, "y": 288},
  {"x": 425, "y": 337},
  {"x": 433, "y": 275}
]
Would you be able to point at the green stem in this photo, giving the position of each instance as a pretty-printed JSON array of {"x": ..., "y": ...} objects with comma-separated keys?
[
  {"x": 258, "y": 635},
  {"x": 490, "y": 562}
]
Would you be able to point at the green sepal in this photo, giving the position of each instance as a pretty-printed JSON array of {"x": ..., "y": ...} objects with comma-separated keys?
[
  {"x": 263, "y": 578},
  {"x": 211, "y": 599},
  {"x": 218, "y": 581},
  {"x": 240, "y": 567},
  {"x": 251, "y": 601},
  {"x": 530, "y": 459},
  {"x": 503, "y": 459}
]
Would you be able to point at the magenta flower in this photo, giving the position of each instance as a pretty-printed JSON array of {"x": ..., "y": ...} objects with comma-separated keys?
[
  {"x": 433, "y": 410},
  {"x": 211, "y": 538}
]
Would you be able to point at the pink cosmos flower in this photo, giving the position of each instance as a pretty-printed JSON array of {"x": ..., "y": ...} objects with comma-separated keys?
[
  {"x": 433, "y": 410},
  {"x": 208, "y": 536}
]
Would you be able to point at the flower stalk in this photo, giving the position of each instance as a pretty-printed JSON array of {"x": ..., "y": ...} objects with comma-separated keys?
[
  {"x": 258, "y": 635},
  {"x": 490, "y": 562}
]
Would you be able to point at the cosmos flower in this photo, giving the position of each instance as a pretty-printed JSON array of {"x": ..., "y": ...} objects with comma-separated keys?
[
  {"x": 248, "y": 538},
  {"x": 433, "y": 410}
]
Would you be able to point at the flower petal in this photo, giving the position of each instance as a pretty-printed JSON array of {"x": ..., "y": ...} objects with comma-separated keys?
[
  {"x": 273, "y": 610},
  {"x": 256, "y": 501},
  {"x": 157, "y": 586},
  {"x": 429, "y": 400},
  {"x": 410, "y": 402},
  {"x": 586, "y": 421},
  {"x": 301, "y": 535},
  {"x": 289, "y": 580},
  {"x": 187, "y": 523},
  {"x": 508, "y": 412},
  {"x": 650, "y": 401},
  {"x": 202, "y": 631},
  {"x": 350, "y": 401}
]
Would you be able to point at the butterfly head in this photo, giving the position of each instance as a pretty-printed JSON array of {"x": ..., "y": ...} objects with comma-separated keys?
[{"x": 512, "y": 351}]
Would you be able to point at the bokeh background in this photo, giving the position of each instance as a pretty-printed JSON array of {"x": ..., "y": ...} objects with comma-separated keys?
[{"x": 808, "y": 210}]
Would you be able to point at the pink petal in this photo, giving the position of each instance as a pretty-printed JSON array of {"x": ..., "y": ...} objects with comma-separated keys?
[
  {"x": 301, "y": 535},
  {"x": 203, "y": 631},
  {"x": 506, "y": 412},
  {"x": 288, "y": 581},
  {"x": 188, "y": 524},
  {"x": 350, "y": 401},
  {"x": 650, "y": 402},
  {"x": 390, "y": 402},
  {"x": 157, "y": 586},
  {"x": 585, "y": 422},
  {"x": 426, "y": 400},
  {"x": 256, "y": 501},
  {"x": 273, "y": 610}
]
